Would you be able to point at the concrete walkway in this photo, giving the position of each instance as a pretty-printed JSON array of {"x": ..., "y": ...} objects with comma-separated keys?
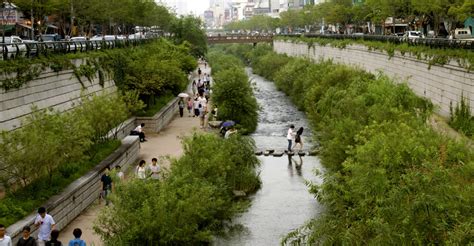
[{"x": 165, "y": 143}]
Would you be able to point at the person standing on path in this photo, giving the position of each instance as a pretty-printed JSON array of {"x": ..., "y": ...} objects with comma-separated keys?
[
  {"x": 190, "y": 106},
  {"x": 290, "y": 136},
  {"x": 299, "y": 139},
  {"x": 45, "y": 224},
  {"x": 106, "y": 185},
  {"x": 77, "y": 241},
  {"x": 154, "y": 169},
  {"x": 4, "y": 239},
  {"x": 141, "y": 170},
  {"x": 54, "y": 239},
  {"x": 199, "y": 72},
  {"x": 26, "y": 239},
  {"x": 181, "y": 107},
  {"x": 196, "y": 107}
]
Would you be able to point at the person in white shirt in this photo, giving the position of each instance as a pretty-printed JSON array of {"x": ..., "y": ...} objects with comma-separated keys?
[
  {"x": 141, "y": 170},
  {"x": 290, "y": 136},
  {"x": 4, "y": 239},
  {"x": 139, "y": 131},
  {"x": 154, "y": 169},
  {"x": 46, "y": 224}
]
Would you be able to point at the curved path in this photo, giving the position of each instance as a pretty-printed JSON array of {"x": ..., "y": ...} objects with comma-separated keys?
[{"x": 167, "y": 142}]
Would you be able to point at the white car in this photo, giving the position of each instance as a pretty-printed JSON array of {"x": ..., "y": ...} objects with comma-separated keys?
[
  {"x": 75, "y": 39},
  {"x": 13, "y": 44},
  {"x": 411, "y": 35}
]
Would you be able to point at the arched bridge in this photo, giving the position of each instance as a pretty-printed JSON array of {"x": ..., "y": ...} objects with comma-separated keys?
[{"x": 226, "y": 39}]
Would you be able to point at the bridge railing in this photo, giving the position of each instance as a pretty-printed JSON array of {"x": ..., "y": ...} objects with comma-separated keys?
[
  {"x": 34, "y": 49},
  {"x": 438, "y": 43},
  {"x": 230, "y": 38}
]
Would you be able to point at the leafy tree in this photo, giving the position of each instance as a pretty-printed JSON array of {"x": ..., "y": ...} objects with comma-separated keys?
[
  {"x": 191, "y": 203},
  {"x": 234, "y": 97},
  {"x": 190, "y": 29}
]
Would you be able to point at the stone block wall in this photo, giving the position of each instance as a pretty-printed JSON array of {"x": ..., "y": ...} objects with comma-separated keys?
[
  {"x": 443, "y": 85},
  {"x": 59, "y": 90},
  {"x": 161, "y": 119},
  {"x": 79, "y": 195}
]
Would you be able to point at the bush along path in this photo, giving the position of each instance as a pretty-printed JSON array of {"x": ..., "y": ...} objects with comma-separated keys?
[
  {"x": 195, "y": 197},
  {"x": 391, "y": 179}
]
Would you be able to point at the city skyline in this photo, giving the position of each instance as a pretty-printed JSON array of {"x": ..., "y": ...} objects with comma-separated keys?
[{"x": 185, "y": 7}]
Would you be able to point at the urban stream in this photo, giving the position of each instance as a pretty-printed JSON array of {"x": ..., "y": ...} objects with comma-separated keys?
[{"x": 283, "y": 203}]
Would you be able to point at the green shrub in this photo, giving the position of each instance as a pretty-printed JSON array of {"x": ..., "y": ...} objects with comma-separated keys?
[
  {"x": 191, "y": 204},
  {"x": 390, "y": 178},
  {"x": 234, "y": 97},
  {"x": 461, "y": 118}
]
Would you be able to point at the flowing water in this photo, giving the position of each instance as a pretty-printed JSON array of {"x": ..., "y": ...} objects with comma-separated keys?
[{"x": 283, "y": 203}]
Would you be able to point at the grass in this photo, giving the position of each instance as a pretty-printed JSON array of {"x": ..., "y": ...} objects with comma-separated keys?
[
  {"x": 160, "y": 102},
  {"x": 18, "y": 204}
]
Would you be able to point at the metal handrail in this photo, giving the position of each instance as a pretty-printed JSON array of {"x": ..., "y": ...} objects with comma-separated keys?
[
  {"x": 34, "y": 49},
  {"x": 438, "y": 43}
]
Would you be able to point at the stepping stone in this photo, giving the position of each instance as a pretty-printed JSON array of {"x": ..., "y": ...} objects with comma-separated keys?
[
  {"x": 266, "y": 153},
  {"x": 215, "y": 123},
  {"x": 270, "y": 151},
  {"x": 277, "y": 154},
  {"x": 239, "y": 193},
  {"x": 258, "y": 153},
  {"x": 290, "y": 153},
  {"x": 301, "y": 153}
]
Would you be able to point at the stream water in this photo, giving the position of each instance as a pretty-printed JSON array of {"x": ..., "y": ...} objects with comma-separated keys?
[{"x": 283, "y": 203}]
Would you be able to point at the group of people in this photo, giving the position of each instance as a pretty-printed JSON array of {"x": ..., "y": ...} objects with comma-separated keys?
[
  {"x": 152, "y": 171},
  {"x": 296, "y": 137},
  {"x": 47, "y": 234}
]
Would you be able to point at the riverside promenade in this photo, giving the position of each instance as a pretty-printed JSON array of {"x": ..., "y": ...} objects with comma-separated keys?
[{"x": 165, "y": 143}]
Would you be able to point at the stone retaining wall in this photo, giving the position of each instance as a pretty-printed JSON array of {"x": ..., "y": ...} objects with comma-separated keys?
[
  {"x": 161, "y": 119},
  {"x": 79, "y": 195},
  {"x": 443, "y": 85},
  {"x": 59, "y": 90}
]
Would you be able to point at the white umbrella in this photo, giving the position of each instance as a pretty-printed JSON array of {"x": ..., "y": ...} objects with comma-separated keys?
[{"x": 182, "y": 94}]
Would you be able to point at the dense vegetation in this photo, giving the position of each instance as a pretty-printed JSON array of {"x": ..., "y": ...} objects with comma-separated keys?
[
  {"x": 232, "y": 93},
  {"x": 191, "y": 203},
  {"x": 51, "y": 150},
  {"x": 461, "y": 118},
  {"x": 390, "y": 178}
]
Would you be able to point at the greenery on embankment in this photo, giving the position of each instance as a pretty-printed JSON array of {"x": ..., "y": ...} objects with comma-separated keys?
[
  {"x": 464, "y": 58},
  {"x": 53, "y": 149},
  {"x": 390, "y": 178},
  {"x": 191, "y": 203},
  {"x": 232, "y": 92}
]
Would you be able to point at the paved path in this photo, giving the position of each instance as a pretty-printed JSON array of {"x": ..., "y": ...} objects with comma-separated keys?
[{"x": 167, "y": 142}]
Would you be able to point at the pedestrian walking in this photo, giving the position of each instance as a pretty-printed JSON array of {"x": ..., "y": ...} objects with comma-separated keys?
[
  {"x": 194, "y": 87},
  {"x": 120, "y": 174},
  {"x": 45, "y": 224},
  {"x": 4, "y": 239},
  {"x": 77, "y": 241},
  {"x": 196, "y": 107},
  {"x": 181, "y": 107},
  {"x": 199, "y": 72},
  {"x": 299, "y": 139},
  {"x": 154, "y": 169},
  {"x": 190, "y": 106},
  {"x": 26, "y": 238},
  {"x": 54, "y": 239},
  {"x": 290, "y": 136},
  {"x": 106, "y": 185}
]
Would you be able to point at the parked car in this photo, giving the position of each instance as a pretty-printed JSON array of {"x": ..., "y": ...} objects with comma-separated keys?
[
  {"x": 463, "y": 33},
  {"x": 76, "y": 39},
  {"x": 411, "y": 35},
  {"x": 13, "y": 45}
]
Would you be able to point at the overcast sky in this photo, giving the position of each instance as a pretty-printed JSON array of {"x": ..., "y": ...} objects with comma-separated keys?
[{"x": 187, "y": 6}]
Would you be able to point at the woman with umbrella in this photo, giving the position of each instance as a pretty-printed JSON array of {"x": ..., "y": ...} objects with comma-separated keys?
[{"x": 181, "y": 103}]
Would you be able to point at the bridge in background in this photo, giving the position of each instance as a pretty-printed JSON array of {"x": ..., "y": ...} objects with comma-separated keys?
[{"x": 227, "y": 39}]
